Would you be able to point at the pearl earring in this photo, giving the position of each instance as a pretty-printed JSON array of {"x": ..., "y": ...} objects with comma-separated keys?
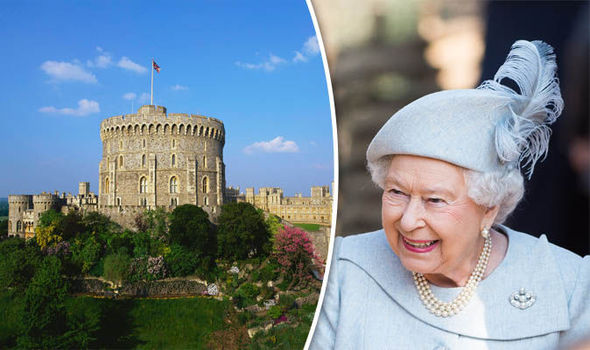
[{"x": 485, "y": 232}]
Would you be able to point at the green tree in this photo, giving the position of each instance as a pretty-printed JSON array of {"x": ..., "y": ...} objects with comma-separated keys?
[
  {"x": 116, "y": 267},
  {"x": 50, "y": 217},
  {"x": 86, "y": 253},
  {"x": 47, "y": 236},
  {"x": 18, "y": 262},
  {"x": 44, "y": 318},
  {"x": 273, "y": 223},
  {"x": 83, "y": 322},
  {"x": 71, "y": 225},
  {"x": 181, "y": 261},
  {"x": 190, "y": 227},
  {"x": 241, "y": 232},
  {"x": 97, "y": 223}
]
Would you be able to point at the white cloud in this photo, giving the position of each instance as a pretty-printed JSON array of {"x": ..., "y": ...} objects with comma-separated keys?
[
  {"x": 85, "y": 107},
  {"x": 144, "y": 98},
  {"x": 64, "y": 71},
  {"x": 178, "y": 87},
  {"x": 268, "y": 65},
  {"x": 128, "y": 64},
  {"x": 299, "y": 57},
  {"x": 276, "y": 145},
  {"x": 310, "y": 48},
  {"x": 130, "y": 96}
]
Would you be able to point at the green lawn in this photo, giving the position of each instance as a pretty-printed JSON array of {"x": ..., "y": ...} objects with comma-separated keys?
[
  {"x": 183, "y": 323},
  {"x": 309, "y": 227}
]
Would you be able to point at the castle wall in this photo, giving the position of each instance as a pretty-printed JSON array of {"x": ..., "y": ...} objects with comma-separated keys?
[{"x": 153, "y": 159}]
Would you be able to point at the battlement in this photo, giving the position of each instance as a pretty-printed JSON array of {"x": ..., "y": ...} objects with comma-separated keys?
[
  {"x": 151, "y": 120},
  {"x": 20, "y": 198}
]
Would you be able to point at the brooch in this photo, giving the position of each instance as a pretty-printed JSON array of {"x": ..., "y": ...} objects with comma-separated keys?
[{"x": 522, "y": 299}]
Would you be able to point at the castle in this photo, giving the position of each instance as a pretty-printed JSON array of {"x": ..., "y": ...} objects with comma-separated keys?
[
  {"x": 149, "y": 159},
  {"x": 156, "y": 159},
  {"x": 316, "y": 209}
]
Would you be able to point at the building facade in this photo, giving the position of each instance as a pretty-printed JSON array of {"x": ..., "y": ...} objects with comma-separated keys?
[
  {"x": 316, "y": 209},
  {"x": 149, "y": 159}
]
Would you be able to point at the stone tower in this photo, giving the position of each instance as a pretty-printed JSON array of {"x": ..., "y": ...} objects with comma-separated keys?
[{"x": 157, "y": 159}]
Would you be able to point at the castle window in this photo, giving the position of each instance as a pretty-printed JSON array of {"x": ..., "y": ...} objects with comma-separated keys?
[
  {"x": 204, "y": 162},
  {"x": 9, "y": 226},
  {"x": 173, "y": 202},
  {"x": 120, "y": 161},
  {"x": 143, "y": 160},
  {"x": 143, "y": 185},
  {"x": 206, "y": 200},
  {"x": 174, "y": 160},
  {"x": 118, "y": 201},
  {"x": 173, "y": 144},
  {"x": 19, "y": 226},
  {"x": 205, "y": 184},
  {"x": 120, "y": 145},
  {"x": 106, "y": 185},
  {"x": 173, "y": 185},
  {"x": 143, "y": 143},
  {"x": 143, "y": 202}
]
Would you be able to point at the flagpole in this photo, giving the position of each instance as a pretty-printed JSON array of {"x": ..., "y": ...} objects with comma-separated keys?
[{"x": 152, "y": 93}]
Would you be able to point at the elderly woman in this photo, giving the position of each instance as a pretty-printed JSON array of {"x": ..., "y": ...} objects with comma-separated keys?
[{"x": 444, "y": 273}]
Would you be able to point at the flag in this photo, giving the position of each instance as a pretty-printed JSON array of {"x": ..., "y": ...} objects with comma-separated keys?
[{"x": 155, "y": 66}]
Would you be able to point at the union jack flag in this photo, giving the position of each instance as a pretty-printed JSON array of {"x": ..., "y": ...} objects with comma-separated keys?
[{"x": 155, "y": 66}]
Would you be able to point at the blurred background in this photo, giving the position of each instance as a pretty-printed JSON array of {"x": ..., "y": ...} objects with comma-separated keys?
[{"x": 383, "y": 54}]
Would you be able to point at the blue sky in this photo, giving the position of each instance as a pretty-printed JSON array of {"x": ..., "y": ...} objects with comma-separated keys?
[{"x": 66, "y": 65}]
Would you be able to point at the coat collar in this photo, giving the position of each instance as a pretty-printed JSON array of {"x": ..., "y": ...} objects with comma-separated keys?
[{"x": 528, "y": 264}]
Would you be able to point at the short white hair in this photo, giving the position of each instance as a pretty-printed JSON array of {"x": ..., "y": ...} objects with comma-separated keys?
[{"x": 503, "y": 189}]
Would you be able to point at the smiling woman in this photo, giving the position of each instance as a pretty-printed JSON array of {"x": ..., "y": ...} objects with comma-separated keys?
[{"x": 444, "y": 272}]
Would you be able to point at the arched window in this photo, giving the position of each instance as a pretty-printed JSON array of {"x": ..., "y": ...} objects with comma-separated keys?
[
  {"x": 173, "y": 185},
  {"x": 143, "y": 143},
  {"x": 19, "y": 226},
  {"x": 205, "y": 184},
  {"x": 106, "y": 185},
  {"x": 173, "y": 160},
  {"x": 118, "y": 201},
  {"x": 120, "y": 161},
  {"x": 143, "y": 185},
  {"x": 206, "y": 200},
  {"x": 173, "y": 144},
  {"x": 120, "y": 145},
  {"x": 143, "y": 160},
  {"x": 173, "y": 202},
  {"x": 204, "y": 162}
]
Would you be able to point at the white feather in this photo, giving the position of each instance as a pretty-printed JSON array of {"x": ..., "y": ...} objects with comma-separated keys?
[{"x": 522, "y": 137}]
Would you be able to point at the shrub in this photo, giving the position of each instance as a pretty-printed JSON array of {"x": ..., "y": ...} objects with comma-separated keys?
[
  {"x": 116, "y": 267},
  {"x": 246, "y": 295},
  {"x": 181, "y": 261},
  {"x": 44, "y": 314},
  {"x": 295, "y": 254},
  {"x": 86, "y": 253},
  {"x": 190, "y": 227},
  {"x": 19, "y": 261},
  {"x": 241, "y": 232}
]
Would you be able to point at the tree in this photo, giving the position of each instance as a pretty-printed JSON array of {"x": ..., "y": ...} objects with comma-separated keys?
[
  {"x": 71, "y": 225},
  {"x": 47, "y": 236},
  {"x": 44, "y": 318},
  {"x": 190, "y": 227},
  {"x": 273, "y": 223},
  {"x": 116, "y": 267},
  {"x": 241, "y": 232},
  {"x": 50, "y": 217},
  {"x": 295, "y": 254},
  {"x": 18, "y": 262}
]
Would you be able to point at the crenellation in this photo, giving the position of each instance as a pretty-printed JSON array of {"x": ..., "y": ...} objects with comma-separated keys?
[{"x": 150, "y": 159}]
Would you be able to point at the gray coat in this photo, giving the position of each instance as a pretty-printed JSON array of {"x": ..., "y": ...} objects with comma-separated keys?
[{"x": 371, "y": 301}]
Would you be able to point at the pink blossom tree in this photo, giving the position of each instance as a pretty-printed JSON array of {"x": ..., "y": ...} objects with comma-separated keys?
[{"x": 295, "y": 254}]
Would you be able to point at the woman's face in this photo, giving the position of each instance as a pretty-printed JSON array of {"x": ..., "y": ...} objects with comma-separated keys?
[{"x": 430, "y": 222}]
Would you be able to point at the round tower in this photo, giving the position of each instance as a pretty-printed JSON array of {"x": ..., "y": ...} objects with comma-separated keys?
[
  {"x": 157, "y": 159},
  {"x": 17, "y": 205}
]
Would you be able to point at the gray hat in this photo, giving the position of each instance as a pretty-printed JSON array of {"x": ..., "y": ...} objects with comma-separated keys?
[{"x": 488, "y": 129}]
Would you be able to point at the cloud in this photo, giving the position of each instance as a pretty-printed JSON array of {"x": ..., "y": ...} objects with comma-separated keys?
[
  {"x": 128, "y": 64},
  {"x": 65, "y": 71},
  {"x": 178, "y": 87},
  {"x": 144, "y": 98},
  {"x": 85, "y": 107},
  {"x": 276, "y": 145},
  {"x": 104, "y": 60},
  {"x": 130, "y": 96},
  {"x": 310, "y": 48},
  {"x": 268, "y": 65}
]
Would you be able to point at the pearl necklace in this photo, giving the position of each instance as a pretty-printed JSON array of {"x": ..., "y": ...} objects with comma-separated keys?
[{"x": 444, "y": 309}]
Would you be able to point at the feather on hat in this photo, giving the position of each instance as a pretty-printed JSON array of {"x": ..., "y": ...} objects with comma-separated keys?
[{"x": 490, "y": 128}]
